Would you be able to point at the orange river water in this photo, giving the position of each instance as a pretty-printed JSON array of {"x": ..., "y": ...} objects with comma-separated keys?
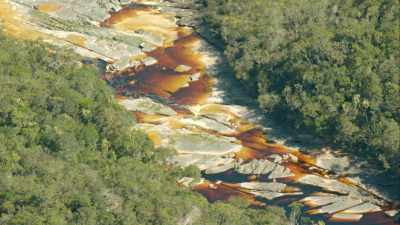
[
  {"x": 181, "y": 90},
  {"x": 163, "y": 80}
]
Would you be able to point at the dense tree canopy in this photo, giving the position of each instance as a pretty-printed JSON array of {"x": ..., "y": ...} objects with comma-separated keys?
[
  {"x": 328, "y": 67},
  {"x": 69, "y": 153}
]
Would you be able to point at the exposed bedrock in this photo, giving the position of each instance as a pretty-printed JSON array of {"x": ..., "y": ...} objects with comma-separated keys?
[{"x": 167, "y": 77}]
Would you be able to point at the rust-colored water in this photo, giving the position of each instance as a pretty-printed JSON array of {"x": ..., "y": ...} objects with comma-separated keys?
[
  {"x": 222, "y": 192},
  {"x": 196, "y": 93},
  {"x": 181, "y": 53},
  {"x": 159, "y": 80},
  {"x": 192, "y": 86},
  {"x": 163, "y": 79},
  {"x": 179, "y": 77},
  {"x": 144, "y": 18}
]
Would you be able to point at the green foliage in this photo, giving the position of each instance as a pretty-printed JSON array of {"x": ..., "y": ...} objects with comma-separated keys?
[
  {"x": 297, "y": 217},
  {"x": 69, "y": 153},
  {"x": 328, "y": 67}
]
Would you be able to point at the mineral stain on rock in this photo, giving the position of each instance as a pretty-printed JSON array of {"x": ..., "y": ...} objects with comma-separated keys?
[
  {"x": 292, "y": 166},
  {"x": 49, "y": 7},
  {"x": 163, "y": 73},
  {"x": 142, "y": 20},
  {"x": 11, "y": 21}
]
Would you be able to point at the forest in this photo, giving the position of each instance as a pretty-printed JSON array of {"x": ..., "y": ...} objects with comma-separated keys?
[
  {"x": 69, "y": 153},
  {"x": 329, "y": 68}
]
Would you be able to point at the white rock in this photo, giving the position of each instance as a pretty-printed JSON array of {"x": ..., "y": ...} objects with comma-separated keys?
[
  {"x": 263, "y": 186},
  {"x": 272, "y": 195},
  {"x": 148, "y": 61},
  {"x": 341, "y": 203},
  {"x": 221, "y": 168},
  {"x": 182, "y": 68},
  {"x": 212, "y": 164},
  {"x": 315, "y": 201},
  {"x": 267, "y": 194},
  {"x": 202, "y": 143},
  {"x": 280, "y": 172},
  {"x": 276, "y": 158},
  {"x": 215, "y": 164},
  {"x": 185, "y": 160},
  {"x": 345, "y": 217},
  {"x": 391, "y": 213},
  {"x": 206, "y": 123},
  {"x": 329, "y": 161},
  {"x": 327, "y": 184},
  {"x": 256, "y": 167},
  {"x": 147, "y": 105},
  {"x": 363, "y": 208}
]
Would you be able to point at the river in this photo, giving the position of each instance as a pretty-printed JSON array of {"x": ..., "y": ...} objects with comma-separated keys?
[
  {"x": 185, "y": 79},
  {"x": 184, "y": 99}
]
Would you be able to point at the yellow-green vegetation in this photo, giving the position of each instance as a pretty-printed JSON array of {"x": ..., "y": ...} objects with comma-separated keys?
[
  {"x": 69, "y": 153},
  {"x": 328, "y": 67}
]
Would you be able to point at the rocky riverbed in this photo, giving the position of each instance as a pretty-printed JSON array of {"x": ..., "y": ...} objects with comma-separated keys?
[{"x": 171, "y": 80}]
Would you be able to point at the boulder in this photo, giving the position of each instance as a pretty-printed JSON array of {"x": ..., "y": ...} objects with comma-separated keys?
[
  {"x": 280, "y": 172},
  {"x": 326, "y": 199},
  {"x": 223, "y": 113},
  {"x": 270, "y": 195},
  {"x": 215, "y": 164},
  {"x": 276, "y": 158},
  {"x": 345, "y": 217},
  {"x": 148, "y": 61},
  {"x": 267, "y": 190},
  {"x": 203, "y": 143},
  {"x": 182, "y": 68},
  {"x": 267, "y": 194},
  {"x": 328, "y": 184},
  {"x": 256, "y": 167},
  {"x": 122, "y": 64},
  {"x": 208, "y": 124},
  {"x": 228, "y": 165},
  {"x": 363, "y": 208},
  {"x": 329, "y": 161},
  {"x": 159, "y": 134},
  {"x": 340, "y": 203},
  {"x": 263, "y": 186},
  {"x": 392, "y": 213},
  {"x": 264, "y": 166},
  {"x": 148, "y": 106},
  {"x": 320, "y": 200},
  {"x": 212, "y": 164}
]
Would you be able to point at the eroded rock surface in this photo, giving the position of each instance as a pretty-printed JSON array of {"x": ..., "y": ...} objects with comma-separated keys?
[
  {"x": 163, "y": 73},
  {"x": 205, "y": 144},
  {"x": 256, "y": 167},
  {"x": 147, "y": 105},
  {"x": 89, "y": 29},
  {"x": 261, "y": 186}
]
